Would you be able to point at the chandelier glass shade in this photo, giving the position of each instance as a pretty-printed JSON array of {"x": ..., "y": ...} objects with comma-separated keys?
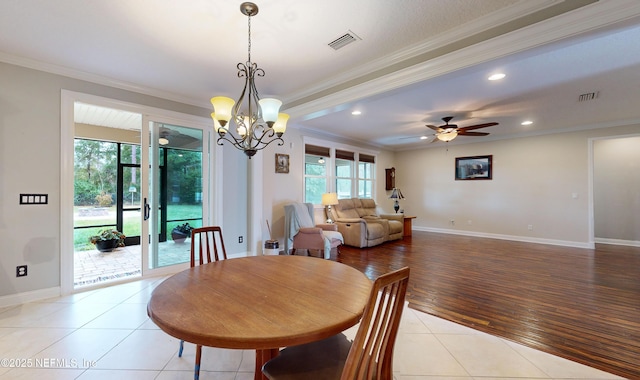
[{"x": 251, "y": 123}]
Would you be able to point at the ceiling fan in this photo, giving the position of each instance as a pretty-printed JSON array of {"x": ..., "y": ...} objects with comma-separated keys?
[
  {"x": 172, "y": 136},
  {"x": 448, "y": 132}
]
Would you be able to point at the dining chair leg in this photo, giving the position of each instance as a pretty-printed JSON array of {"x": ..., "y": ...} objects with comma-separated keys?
[
  {"x": 181, "y": 348},
  {"x": 196, "y": 374}
]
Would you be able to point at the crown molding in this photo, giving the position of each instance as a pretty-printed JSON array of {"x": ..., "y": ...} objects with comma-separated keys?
[
  {"x": 590, "y": 18},
  {"x": 479, "y": 25},
  {"x": 97, "y": 79}
]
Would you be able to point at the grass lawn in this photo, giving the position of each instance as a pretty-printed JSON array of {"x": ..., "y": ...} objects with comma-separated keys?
[{"x": 131, "y": 224}]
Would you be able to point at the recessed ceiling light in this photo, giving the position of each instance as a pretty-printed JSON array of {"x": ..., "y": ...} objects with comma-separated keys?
[
  {"x": 497, "y": 76},
  {"x": 527, "y": 122},
  {"x": 423, "y": 137},
  {"x": 356, "y": 113}
]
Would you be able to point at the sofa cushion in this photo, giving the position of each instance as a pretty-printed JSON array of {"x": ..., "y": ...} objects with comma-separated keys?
[
  {"x": 395, "y": 227},
  {"x": 346, "y": 209},
  {"x": 367, "y": 207},
  {"x": 376, "y": 232}
]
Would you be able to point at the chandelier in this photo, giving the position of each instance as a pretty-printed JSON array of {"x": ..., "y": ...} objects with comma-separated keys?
[{"x": 252, "y": 126}]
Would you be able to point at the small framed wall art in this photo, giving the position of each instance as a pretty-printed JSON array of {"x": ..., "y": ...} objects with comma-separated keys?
[
  {"x": 474, "y": 168},
  {"x": 282, "y": 163}
]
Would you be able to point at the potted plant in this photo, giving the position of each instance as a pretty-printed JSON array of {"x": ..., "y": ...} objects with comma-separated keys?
[
  {"x": 181, "y": 232},
  {"x": 108, "y": 239}
]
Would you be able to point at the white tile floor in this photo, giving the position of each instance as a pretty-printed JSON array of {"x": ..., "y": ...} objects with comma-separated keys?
[{"x": 106, "y": 334}]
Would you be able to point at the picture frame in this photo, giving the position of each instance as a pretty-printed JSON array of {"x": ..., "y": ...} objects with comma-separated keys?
[
  {"x": 282, "y": 163},
  {"x": 474, "y": 168}
]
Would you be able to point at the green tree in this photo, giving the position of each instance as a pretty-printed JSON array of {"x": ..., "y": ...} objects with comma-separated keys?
[{"x": 95, "y": 169}]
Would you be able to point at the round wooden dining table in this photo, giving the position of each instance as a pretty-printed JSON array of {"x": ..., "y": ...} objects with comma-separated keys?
[{"x": 260, "y": 302}]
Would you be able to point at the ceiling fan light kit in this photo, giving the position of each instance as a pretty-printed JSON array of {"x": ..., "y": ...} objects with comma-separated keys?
[
  {"x": 259, "y": 123},
  {"x": 448, "y": 132},
  {"x": 447, "y": 136}
]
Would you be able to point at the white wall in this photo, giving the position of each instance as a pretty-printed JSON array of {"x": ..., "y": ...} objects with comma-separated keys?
[{"x": 540, "y": 181}]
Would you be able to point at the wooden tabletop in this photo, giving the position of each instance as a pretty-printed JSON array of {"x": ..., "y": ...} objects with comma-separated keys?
[{"x": 260, "y": 302}]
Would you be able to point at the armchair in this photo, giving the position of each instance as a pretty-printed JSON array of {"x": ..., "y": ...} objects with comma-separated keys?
[{"x": 301, "y": 232}]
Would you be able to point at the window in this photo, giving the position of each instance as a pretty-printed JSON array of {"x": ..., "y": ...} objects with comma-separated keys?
[
  {"x": 366, "y": 170},
  {"x": 345, "y": 172},
  {"x": 315, "y": 173}
]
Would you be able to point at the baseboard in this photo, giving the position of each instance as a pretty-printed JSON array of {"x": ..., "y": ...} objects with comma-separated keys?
[
  {"x": 41, "y": 294},
  {"x": 525, "y": 239},
  {"x": 629, "y": 243},
  {"x": 35, "y": 295}
]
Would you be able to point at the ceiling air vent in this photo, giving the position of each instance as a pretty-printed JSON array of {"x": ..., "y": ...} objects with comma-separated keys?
[
  {"x": 344, "y": 40},
  {"x": 587, "y": 97}
]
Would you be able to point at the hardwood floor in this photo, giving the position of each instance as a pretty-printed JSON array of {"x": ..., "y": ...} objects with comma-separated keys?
[{"x": 580, "y": 304}]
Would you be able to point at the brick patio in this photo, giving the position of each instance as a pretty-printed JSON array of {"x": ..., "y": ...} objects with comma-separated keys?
[{"x": 93, "y": 267}]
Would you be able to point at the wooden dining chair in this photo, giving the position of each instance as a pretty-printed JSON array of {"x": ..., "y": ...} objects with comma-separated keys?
[
  {"x": 207, "y": 245},
  {"x": 369, "y": 356}
]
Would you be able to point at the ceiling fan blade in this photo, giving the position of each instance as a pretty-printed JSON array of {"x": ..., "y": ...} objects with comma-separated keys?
[
  {"x": 465, "y": 133},
  {"x": 472, "y": 127},
  {"x": 432, "y": 127}
]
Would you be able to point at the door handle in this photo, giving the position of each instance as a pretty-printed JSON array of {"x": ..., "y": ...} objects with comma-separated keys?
[{"x": 147, "y": 208}]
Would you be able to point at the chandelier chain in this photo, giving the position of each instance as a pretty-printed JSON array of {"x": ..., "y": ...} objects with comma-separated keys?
[{"x": 249, "y": 34}]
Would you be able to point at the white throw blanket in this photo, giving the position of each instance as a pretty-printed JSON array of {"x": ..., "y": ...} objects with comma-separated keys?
[{"x": 298, "y": 215}]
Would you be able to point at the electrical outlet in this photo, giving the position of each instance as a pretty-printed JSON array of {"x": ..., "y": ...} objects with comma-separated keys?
[
  {"x": 21, "y": 270},
  {"x": 240, "y": 239},
  {"x": 530, "y": 227}
]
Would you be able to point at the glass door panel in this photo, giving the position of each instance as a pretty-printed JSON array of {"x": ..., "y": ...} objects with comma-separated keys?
[
  {"x": 129, "y": 206},
  {"x": 176, "y": 191}
]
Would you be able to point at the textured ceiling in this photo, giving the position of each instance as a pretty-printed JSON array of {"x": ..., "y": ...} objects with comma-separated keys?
[{"x": 416, "y": 60}]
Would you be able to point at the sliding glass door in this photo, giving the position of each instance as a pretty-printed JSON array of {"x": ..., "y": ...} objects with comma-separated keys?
[
  {"x": 176, "y": 191},
  {"x": 143, "y": 176}
]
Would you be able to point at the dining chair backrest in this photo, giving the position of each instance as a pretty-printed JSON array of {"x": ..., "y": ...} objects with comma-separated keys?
[
  {"x": 204, "y": 242},
  {"x": 371, "y": 353}
]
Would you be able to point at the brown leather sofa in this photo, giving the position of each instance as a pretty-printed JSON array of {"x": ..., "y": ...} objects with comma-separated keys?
[{"x": 361, "y": 226}]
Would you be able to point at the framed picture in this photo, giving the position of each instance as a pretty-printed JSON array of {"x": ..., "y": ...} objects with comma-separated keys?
[
  {"x": 474, "y": 168},
  {"x": 282, "y": 163}
]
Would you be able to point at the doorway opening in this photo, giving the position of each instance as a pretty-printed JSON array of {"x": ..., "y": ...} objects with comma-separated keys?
[{"x": 113, "y": 191}]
